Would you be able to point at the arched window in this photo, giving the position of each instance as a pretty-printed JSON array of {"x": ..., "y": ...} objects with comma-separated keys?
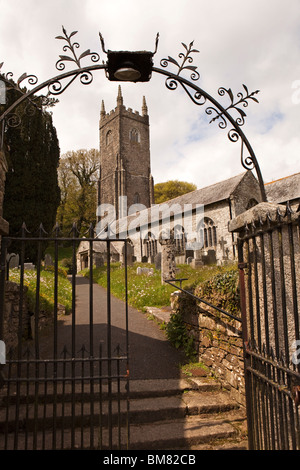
[
  {"x": 150, "y": 245},
  {"x": 134, "y": 135},
  {"x": 207, "y": 233},
  {"x": 136, "y": 198},
  {"x": 108, "y": 137},
  {"x": 179, "y": 238}
]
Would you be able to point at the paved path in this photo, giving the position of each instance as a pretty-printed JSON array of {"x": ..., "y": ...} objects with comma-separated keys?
[{"x": 151, "y": 356}]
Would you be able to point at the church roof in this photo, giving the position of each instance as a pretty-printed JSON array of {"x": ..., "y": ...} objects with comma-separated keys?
[
  {"x": 204, "y": 196},
  {"x": 284, "y": 189},
  {"x": 210, "y": 194}
]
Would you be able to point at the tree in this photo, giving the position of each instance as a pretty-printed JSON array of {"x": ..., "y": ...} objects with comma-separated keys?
[
  {"x": 78, "y": 174},
  {"x": 173, "y": 188},
  {"x": 32, "y": 193}
]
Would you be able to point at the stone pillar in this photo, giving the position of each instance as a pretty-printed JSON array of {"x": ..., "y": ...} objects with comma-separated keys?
[
  {"x": 270, "y": 248},
  {"x": 4, "y": 227},
  {"x": 168, "y": 265}
]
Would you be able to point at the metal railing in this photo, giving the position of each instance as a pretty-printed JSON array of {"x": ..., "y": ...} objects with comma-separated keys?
[{"x": 219, "y": 309}]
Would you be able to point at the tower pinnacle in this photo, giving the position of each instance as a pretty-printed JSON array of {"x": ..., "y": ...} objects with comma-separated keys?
[
  {"x": 144, "y": 107},
  {"x": 120, "y": 97},
  {"x": 102, "y": 112}
]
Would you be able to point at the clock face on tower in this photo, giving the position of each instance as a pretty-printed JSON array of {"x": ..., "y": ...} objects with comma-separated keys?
[{"x": 2, "y": 93}]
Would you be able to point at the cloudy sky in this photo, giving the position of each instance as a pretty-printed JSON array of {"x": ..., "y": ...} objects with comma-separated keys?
[{"x": 251, "y": 42}]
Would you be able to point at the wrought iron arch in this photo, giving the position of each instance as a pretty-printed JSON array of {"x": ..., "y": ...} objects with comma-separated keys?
[{"x": 58, "y": 84}]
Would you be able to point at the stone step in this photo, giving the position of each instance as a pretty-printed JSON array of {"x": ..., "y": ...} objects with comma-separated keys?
[
  {"x": 162, "y": 413},
  {"x": 183, "y": 433},
  {"x": 86, "y": 392},
  {"x": 141, "y": 410}
]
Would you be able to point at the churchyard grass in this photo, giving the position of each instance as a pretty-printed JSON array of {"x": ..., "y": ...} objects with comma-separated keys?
[
  {"x": 146, "y": 290},
  {"x": 46, "y": 288}
]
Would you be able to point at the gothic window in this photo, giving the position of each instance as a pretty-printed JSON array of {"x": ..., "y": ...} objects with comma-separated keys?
[
  {"x": 150, "y": 245},
  {"x": 108, "y": 137},
  {"x": 134, "y": 135},
  {"x": 136, "y": 198},
  {"x": 207, "y": 233},
  {"x": 179, "y": 238}
]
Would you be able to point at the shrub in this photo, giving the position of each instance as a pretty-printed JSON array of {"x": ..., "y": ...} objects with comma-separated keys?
[
  {"x": 222, "y": 290},
  {"x": 178, "y": 336}
]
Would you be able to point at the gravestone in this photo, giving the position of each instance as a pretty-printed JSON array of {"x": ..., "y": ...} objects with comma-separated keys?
[
  {"x": 29, "y": 266},
  {"x": 168, "y": 264},
  {"x": 140, "y": 271},
  {"x": 157, "y": 261},
  {"x": 196, "y": 263},
  {"x": 13, "y": 260},
  {"x": 129, "y": 255},
  {"x": 48, "y": 260},
  {"x": 99, "y": 260}
]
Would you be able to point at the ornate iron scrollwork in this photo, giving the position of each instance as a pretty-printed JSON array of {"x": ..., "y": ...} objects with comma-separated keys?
[
  {"x": 60, "y": 65},
  {"x": 232, "y": 114},
  {"x": 186, "y": 59},
  {"x": 56, "y": 87},
  {"x": 199, "y": 98}
]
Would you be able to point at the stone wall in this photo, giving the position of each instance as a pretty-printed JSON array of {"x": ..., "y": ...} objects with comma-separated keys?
[
  {"x": 12, "y": 316},
  {"x": 218, "y": 343}
]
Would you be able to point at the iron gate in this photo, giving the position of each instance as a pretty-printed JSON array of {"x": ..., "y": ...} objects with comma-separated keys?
[
  {"x": 65, "y": 383},
  {"x": 269, "y": 262}
]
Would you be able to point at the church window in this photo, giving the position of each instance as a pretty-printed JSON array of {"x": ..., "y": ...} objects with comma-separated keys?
[
  {"x": 108, "y": 137},
  {"x": 136, "y": 198},
  {"x": 150, "y": 245},
  {"x": 134, "y": 135},
  {"x": 207, "y": 233},
  {"x": 179, "y": 238}
]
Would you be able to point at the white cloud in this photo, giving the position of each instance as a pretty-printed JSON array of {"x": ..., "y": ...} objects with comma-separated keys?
[{"x": 249, "y": 42}]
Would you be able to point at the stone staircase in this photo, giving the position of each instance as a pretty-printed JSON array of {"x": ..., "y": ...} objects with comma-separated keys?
[
  {"x": 178, "y": 414},
  {"x": 185, "y": 414}
]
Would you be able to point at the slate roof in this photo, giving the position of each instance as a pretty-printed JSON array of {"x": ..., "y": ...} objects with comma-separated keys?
[
  {"x": 210, "y": 194},
  {"x": 203, "y": 196},
  {"x": 284, "y": 189}
]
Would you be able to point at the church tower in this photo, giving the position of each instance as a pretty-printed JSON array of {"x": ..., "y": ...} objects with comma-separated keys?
[{"x": 125, "y": 156}]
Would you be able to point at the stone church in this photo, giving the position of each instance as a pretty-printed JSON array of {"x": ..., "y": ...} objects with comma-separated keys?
[{"x": 197, "y": 220}]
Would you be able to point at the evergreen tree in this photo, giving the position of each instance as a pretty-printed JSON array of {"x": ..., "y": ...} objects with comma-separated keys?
[{"x": 32, "y": 193}]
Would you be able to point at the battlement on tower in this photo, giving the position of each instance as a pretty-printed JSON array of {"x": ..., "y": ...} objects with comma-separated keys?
[{"x": 126, "y": 112}]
